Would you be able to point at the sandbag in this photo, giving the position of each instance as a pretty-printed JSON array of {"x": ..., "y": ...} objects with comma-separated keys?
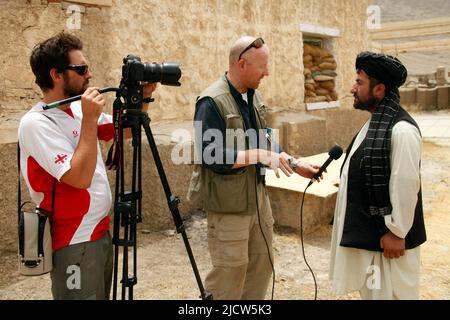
[
  {"x": 327, "y": 65},
  {"x": 329, "y": 85}
]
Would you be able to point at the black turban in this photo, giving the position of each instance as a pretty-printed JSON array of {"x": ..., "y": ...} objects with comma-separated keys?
[{"x": 386, "y": 69}]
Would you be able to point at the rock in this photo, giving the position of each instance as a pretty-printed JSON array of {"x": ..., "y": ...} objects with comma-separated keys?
[{"x": 169, "y": 233}]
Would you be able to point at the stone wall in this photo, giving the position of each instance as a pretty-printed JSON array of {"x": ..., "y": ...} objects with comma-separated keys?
[
  {"x": 425, "y": 99},
  {"x": 196, "y": 34}
]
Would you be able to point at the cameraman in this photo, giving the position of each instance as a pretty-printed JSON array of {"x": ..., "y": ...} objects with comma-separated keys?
[{"x": 60, "y": 154}]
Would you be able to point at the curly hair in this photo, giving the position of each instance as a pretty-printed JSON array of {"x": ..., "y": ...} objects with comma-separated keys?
[{"x": 52, "y": 53}]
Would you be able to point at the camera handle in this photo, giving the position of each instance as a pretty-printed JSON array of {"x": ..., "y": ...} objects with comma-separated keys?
[
  {"x": 127, "y": 205},
  {"x": 75, "y": 98}
]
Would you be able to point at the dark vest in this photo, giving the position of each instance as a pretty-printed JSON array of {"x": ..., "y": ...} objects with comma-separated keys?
[{"x": 361, "y": 230}]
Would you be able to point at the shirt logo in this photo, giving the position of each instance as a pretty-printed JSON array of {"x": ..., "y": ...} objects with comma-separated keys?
[{"x": 60, "y": 158}]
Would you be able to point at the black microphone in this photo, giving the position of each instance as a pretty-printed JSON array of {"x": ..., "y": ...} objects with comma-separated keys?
[{"x": 334, "y": 153}]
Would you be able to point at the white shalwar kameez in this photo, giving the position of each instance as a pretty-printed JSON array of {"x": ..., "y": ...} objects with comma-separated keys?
[{"x": 369, "y": 272}]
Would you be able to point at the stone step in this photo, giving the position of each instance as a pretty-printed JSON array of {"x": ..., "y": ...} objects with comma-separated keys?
[
  {"x": 297, "y": 132},
  {"x": 286, "y": 194}
]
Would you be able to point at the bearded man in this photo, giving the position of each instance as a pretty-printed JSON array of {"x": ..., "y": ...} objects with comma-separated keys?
[{"x": 378, "y": 222}]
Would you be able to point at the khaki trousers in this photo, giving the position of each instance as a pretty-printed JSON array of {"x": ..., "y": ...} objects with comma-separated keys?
[{"x": 239, "y": 253}]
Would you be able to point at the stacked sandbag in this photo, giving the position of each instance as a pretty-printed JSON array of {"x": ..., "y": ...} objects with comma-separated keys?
[{"x": 320, "y": 74}]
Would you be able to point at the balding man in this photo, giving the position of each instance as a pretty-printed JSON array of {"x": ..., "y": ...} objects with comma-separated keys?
[
  {"x": 378, "y": 221},
  {"x": 229, "y": 183}
]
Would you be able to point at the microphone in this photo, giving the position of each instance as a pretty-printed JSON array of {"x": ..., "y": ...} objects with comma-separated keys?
[{"x": 334, "y": 153}]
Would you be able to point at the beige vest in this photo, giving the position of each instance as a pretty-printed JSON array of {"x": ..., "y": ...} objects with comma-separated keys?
[{"x": 227, "y": 193}]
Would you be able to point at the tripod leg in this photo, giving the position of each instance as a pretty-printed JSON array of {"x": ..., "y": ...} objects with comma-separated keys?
[
  {"x": 172, "y": 203},
  {"x": 126, "y": 205},
  {"x": 119, "y": 189},
  {"x": 135, "y": 200}
]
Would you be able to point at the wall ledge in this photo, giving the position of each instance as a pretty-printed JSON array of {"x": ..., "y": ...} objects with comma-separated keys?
[
  {"x": 322, "y": 105},
  {"x": 317, "y": 30},
  {"x": 87, "y": 3}
]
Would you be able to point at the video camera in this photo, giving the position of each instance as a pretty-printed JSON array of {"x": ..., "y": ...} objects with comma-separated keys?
[{"x": 134, "y": 72}]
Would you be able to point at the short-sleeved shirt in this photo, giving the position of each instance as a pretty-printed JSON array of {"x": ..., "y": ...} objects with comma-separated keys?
[{"x": 48, "y": 140}]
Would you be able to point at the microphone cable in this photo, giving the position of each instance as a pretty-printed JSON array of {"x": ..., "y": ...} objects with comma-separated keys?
[
  {"x": 301, "y": 239},
  {"x": 264, "y": 237},
  {"x": 334, "y": 154}
]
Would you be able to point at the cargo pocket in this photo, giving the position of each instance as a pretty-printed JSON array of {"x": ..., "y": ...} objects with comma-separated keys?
[
  {"x": 232, "y": 248},
  {"x": 227, "y": 193},
  {"x": 228, "y": 237}
]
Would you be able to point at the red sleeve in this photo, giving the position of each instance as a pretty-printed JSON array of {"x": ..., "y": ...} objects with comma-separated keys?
[{"x": 105, "y": 131}]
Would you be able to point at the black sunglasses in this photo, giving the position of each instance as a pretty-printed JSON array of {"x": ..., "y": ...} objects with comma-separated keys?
[
  {"x": 81, "y": 69},
  {"x": 258, "y": 43}
]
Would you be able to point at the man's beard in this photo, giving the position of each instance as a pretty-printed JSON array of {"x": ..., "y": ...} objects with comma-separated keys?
[
  {"x": 367, "y": 105},
  {"x": 71, "y": 91}
]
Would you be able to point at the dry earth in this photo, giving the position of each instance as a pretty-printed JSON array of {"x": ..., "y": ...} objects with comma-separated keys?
[{"x": 164, "y": 271}]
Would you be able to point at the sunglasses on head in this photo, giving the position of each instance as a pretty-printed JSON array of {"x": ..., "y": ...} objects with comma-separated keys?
[
  {"x": 258, "y": 43},
  {"x": 81, "y": 69}
]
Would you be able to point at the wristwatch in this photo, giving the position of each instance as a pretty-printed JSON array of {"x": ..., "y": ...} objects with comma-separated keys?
[{"x": 293, "y": 163}]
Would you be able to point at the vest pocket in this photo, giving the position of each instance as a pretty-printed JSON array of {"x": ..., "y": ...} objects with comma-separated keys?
[
  {"x": 227, "y": 193},
  {"x": 234, "y": 121}
]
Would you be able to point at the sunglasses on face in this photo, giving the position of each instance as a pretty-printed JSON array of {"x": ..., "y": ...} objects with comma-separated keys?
[
  {"x": 81, "y": 69},
  {"x": 258, "y": 43}
]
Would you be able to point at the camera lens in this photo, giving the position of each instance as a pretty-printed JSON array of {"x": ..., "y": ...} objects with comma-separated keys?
[{"x": 167, "y": 73}]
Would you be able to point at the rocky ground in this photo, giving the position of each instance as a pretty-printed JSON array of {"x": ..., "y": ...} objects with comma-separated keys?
[{"x": 164, "y": 271}]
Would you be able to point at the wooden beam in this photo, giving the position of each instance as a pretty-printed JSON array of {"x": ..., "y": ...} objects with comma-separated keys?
[
  {"x": 412, "y": 28},
  {"x": 413, "y": 46},
  {"x": 87, "y": 3}
]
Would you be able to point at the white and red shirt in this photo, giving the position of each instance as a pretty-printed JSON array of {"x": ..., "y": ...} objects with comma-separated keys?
[{"x": 48, "y": 140}]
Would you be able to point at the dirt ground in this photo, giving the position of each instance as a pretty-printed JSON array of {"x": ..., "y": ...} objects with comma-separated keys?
[{"x": 164, "y": 271}]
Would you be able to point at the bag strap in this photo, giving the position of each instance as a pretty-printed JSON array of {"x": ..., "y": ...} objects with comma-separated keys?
[
  {"x": 54, "y": 179},
  {"x": 53, "y": 199},
  {"x": 19, "y": 191}
]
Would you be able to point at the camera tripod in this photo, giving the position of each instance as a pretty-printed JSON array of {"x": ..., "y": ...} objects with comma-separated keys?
[{"x": 128, "y": 205}]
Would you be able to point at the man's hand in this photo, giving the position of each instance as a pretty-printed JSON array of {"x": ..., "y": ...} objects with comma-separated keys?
[
  {"x": 268, "y": 158},
  {"x": 275, "y": 161},
  {"x": 393, "y": 246},
  {"x": 302, "y": 168},
  {"x": 92, "y": 104},
  {"x": 307, "y": 170},
  {"x": 148, "y": 89}
]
